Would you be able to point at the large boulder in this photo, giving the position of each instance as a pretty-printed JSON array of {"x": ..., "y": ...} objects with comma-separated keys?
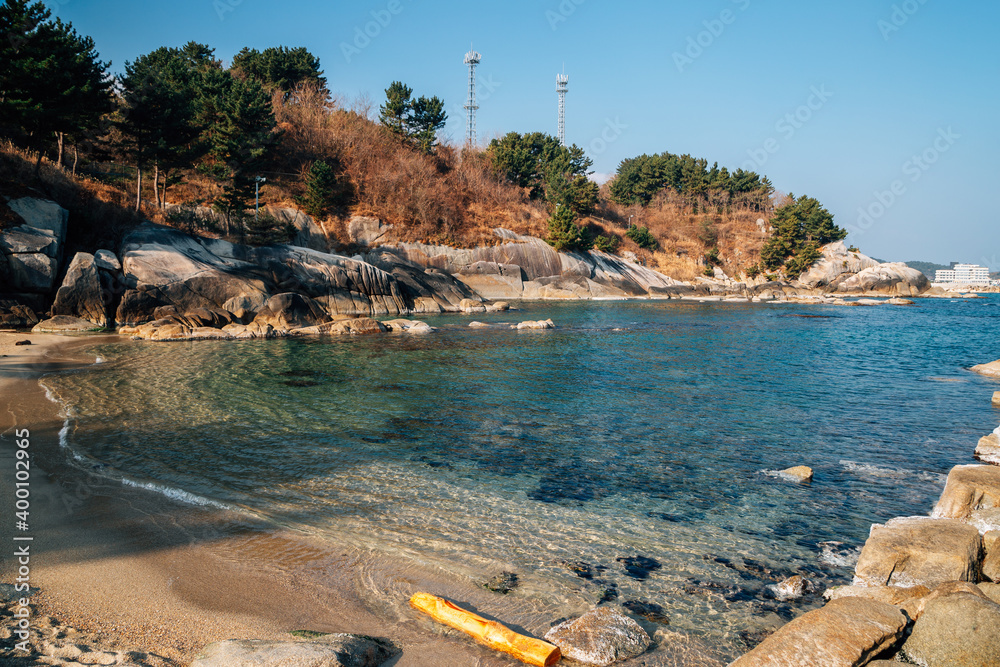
[
  {"x": 849, "y": 631},
  {"x": 915, "y": 551},
  {"x": 30, "y": 253},
  {"x": 958, "y": 630},
  {"x": 335, "y": 650},
  {"x": 896, "y": 279},
  {"x": 991, "y": 562},
  {"x": 969, "y": 488},
  {"x": 600, "y": 637},
  {"x": 365, "y": 231},
  {"x": 835, "y": 261},
  {"x": 308, "y": 234},
  {"x": 17, "y": 315},
  {"x": 81, "y": 294}
]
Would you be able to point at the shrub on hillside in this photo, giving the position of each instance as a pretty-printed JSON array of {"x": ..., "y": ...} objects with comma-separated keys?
[{"x": 642, "y": 238}]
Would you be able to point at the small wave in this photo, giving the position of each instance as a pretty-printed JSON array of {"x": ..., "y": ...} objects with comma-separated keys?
[
  {"x": 889, "y": 472},
  {"x": 838, "y": 554},
  {"x": 99, "y": 360},
  {"x": 175, "y": 494}
]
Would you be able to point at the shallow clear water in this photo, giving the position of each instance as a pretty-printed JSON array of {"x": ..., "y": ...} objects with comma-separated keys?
[{"x": 634, "y": 429}]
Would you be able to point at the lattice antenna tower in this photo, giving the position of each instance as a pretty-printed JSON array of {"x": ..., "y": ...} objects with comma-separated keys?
[
  {"x": 562, "y": 87},
  {"x": 472, "y": 58}
]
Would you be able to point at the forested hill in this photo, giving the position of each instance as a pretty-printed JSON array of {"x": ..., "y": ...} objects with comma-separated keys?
[{"x": 178, "y": 130}]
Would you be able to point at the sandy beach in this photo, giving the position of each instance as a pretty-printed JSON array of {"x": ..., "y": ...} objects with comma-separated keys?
[{"x": 123, "y": 570}]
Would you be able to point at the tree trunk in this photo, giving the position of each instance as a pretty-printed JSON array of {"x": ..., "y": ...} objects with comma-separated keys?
[
  {"x": 156, "y": 184},
  {"x": 59, "y": 140},
  {"x": 76, "y": 157},
  {"x": 138, "y": 188}
]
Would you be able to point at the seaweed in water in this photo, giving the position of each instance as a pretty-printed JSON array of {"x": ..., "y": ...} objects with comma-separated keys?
[
  {"x": 639, "y": 567},
  {"x": 502, "y": 583},
  {"x": 648, "y": 610},
  {"x": 582, "y": 569},
  {"x": 609, "y": 591}
]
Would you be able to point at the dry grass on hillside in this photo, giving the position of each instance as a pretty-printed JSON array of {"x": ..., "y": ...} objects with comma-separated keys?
[{"x": 100, "y": 214}]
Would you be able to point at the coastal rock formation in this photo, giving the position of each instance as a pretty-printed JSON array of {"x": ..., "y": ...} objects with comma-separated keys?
[
  {"x": 335, "y": 650},
  {"x": 914, "y": 551},
  {"x": 82, "y": 293},
  {"x": 841, "y": 270},
  {"x": 991, "y": 369},
  {"x": 848, "y": 631},
  {"x": 988, "y": 449},
  {"x": 14, "y": 314},
  {"x": 30, "y": 253},
  {"x": 164, "y": 267},
  {"x": 602, "y": 636},
  {"x": 525, "y": 267},
  {"x": 958, "y": 630},
  {"x": 969, "y": 488},
  {"x": 996, "y": 399},
  {"x": 365, "y": 232}
]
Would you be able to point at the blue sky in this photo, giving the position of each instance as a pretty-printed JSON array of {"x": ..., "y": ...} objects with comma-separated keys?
[{"x": 884, "y": 110}]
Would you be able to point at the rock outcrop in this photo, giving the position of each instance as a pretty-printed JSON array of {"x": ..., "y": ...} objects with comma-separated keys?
[
  {"x": 86, "y": 291},
  {"x": 848, "y": 631},
  {"x": 843, "y": 271},
  {"x": 165, "y": 267},
  {"x": 600, "y": 637},
  {"x": 915, "y": 551},
  {"x": 30, "y": 253},
  {"x": 525, "y": 267},
  {"x": 65, "y": 324}
]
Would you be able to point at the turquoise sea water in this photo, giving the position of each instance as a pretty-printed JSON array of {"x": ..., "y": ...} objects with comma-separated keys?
[{"x": 634, "y": 429}]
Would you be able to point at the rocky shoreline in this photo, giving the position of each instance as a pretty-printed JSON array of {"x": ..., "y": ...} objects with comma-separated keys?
[{"x": 164, "y": 284}]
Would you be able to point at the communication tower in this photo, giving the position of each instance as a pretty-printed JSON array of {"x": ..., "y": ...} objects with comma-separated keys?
[
  {"x": 562, "y": 87},
  {"x": 472, "y": 58}
]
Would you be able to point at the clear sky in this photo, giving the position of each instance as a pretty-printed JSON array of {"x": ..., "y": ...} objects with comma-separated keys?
[{"x": 884, "y": 110}]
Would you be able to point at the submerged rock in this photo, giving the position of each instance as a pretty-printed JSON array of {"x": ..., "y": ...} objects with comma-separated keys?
[
  {"x": 849, "y": 631},
  {"x": 792, "y": 588},
  {"x": 335, "y": 650},
  {"x": 540, "y": 324},
  {"x": 919, "y": 550},
  {"x": 600, "y": 637},
  {"x": 639, "y": 567},
  {"x": 650, "y": 611},
  {"x": 502, "y": 583},
  {"x": 803, "y": 474}
]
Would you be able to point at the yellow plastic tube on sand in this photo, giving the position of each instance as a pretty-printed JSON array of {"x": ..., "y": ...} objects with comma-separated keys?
[{"x": 492, "y": 634}]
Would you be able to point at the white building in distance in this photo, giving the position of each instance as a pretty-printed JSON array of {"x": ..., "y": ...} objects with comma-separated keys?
[{"x": 964, "y": 274}]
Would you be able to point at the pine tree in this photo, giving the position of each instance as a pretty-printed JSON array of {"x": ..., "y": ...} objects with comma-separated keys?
[{"x": 52, "y": 83}]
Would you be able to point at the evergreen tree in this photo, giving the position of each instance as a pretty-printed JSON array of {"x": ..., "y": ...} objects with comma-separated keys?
[
  {"x": 241, "y": 137},
  {"x": 565, "y": 234},
  {"x": 800, "y": 227},
  {"x": 157, "y": 117},
  {"x": 324, "y": 189},
  {"x": 416, "y": 120},
  {"x": 52, "y": 83},
  {"x": 538, "y": 161},
  {"x": 280, "y": 68}
]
